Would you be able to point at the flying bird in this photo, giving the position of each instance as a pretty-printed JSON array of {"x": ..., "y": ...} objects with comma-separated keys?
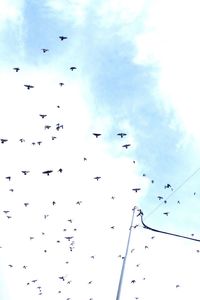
[
  {"x": 61, "y": 37},
  {"x": 160, "y": 197},
  {"x": 61, "y": 83},
  {"x": 8, "y": 177},
  {"x": 136, "y": 189},
  {"x": 47, "y": 172},
  {"x": 73, "y": 68},
  {"x": 47, "y": 127},
  {"x": 42, "y": 116},
  {"x": 126, "y": 146},
  {"x": 121, "y": 134},
  {"x": 97, "y": 178},
  {"x": 166, "y": 213},
  {"x": 28, "y": 86},
  {"x": 44, "y": 50},
  {"x": 16, "y": 69},
  {"x": 25, "y": 172},
  {"x": 96, "y": 134},
  {"x": 26, "y": 204},
  {"x": 22, "y": 140},
  {"x": 3, "y": 140}
]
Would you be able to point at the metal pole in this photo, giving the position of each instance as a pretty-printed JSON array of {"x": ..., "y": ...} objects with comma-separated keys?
[{"x": 124, "y": 260}]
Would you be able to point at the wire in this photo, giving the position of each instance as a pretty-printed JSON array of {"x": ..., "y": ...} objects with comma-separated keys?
[
  {"x": 160, "y": 231},
  {"x": 172, "y": 193}
]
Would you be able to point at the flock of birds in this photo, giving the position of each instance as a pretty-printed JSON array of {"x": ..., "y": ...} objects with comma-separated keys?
[{"x": 68, "y": 233}]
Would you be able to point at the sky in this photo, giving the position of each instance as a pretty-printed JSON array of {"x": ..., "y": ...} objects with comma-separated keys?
[{"x": 64, "y": 236}]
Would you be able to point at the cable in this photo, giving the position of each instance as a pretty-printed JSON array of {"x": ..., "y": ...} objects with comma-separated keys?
[
  {"x": 124, "y": 260},
  {"x": 172, "y": 193},
  {"x": 160, "y": 231}
]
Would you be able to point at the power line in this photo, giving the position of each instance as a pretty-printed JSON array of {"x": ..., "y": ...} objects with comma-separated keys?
[
  {"x": 173, "y": 192},
  {"x": 124, "y": 260},
  {"x": 160, "y": 231}
]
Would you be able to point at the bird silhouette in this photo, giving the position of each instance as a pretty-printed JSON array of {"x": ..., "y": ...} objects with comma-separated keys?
[
  {"x": 61, "y": 83},
  {"x": 26, "y": 204},
  {"x": 121, "y": 134},
  {"x": 16, "y": 69},
  {"x": 136, "y": 189},
  {"x": 47, "y": 127},
  {"x": 160, "y": 197},
  {"x": 133, "y": 281},
  {"x": 8, "y": 177},
  {"x": 53, "y": 202},
  {"x": 28, "y": 86},
  {"x": 126, "y": 146},
  {"x": 22, "y": 140},
  {"x": 61, "y": 37},
  {"x": 97, "y": 178},
  {"x": 42, "y": 116},
  {"x": 73, "y": 68},
  {"x": 3, "y": 140},
  {"x": 166, "y": 213},
  {"x": 25, "y": 172},
  {"x": 6, "y": 211},
  {"x": 96, "y": 134},
  {"x": 47, "y": 172},
  {"x": 44, "y": 50}
]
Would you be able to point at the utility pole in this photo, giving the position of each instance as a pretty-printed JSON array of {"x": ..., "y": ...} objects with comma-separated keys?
[{"x": 124, "y": 260}]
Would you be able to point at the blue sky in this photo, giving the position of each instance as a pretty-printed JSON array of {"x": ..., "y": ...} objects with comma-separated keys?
[{"x": 137, "y": 72}]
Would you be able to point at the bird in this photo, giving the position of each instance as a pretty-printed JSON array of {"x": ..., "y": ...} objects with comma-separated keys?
[
  {"x": 84, "y": 158},
  {"x": 146, "y": 247},
  {"x": 167, "y": 186},
  {"x": 133, "y": 281},
  {"x": 58, "y": 126},
  {"x": 79, "y": 202},
  {"x": 39, "y": 143},
  {"x": 97, "y": 178},
  {"x": 73, "y": 68},
  {"x": 53, "y": 138},
  {"x": 53, "y": 202},
  {"x": 126, "y": 146},
  {"x": 136, "y": 189},
  {"x": 62, "y": 278},
  {"x": 10, "y": 266},
  {"x": 61, "y": 37},
  {"x": 121, "y": 134},
  {"x": 22, "y": 140},
  {"x": 28, "y": 86},
  {"x": 26, "y": 204},
  {"x": 159, "y": 197},
  {"x": 112, "y": 227},
  {"x": 25, "y": 172},
  {"x": 8, "y": 177},
  {"x": 60, "y": 170},
  {"x": 166, "y": 213},
  {"x": 3, "y": 140},
  {"x": 44, "y": 50},
  {"x": 61, "y": 83},
  {"x": 177, "y": 285},
  {"x": 96, "y": 134},
  {"x": 6, "y": 211},
  {"x": 47, "y": 127},
  {"x": 16, "y": 69},
  {"x": 47, "y": 172},
  {"x": 42, "y": 116}
]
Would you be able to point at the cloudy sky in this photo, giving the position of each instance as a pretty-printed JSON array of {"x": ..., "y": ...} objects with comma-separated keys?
[{"x": 137, "y": 71}]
